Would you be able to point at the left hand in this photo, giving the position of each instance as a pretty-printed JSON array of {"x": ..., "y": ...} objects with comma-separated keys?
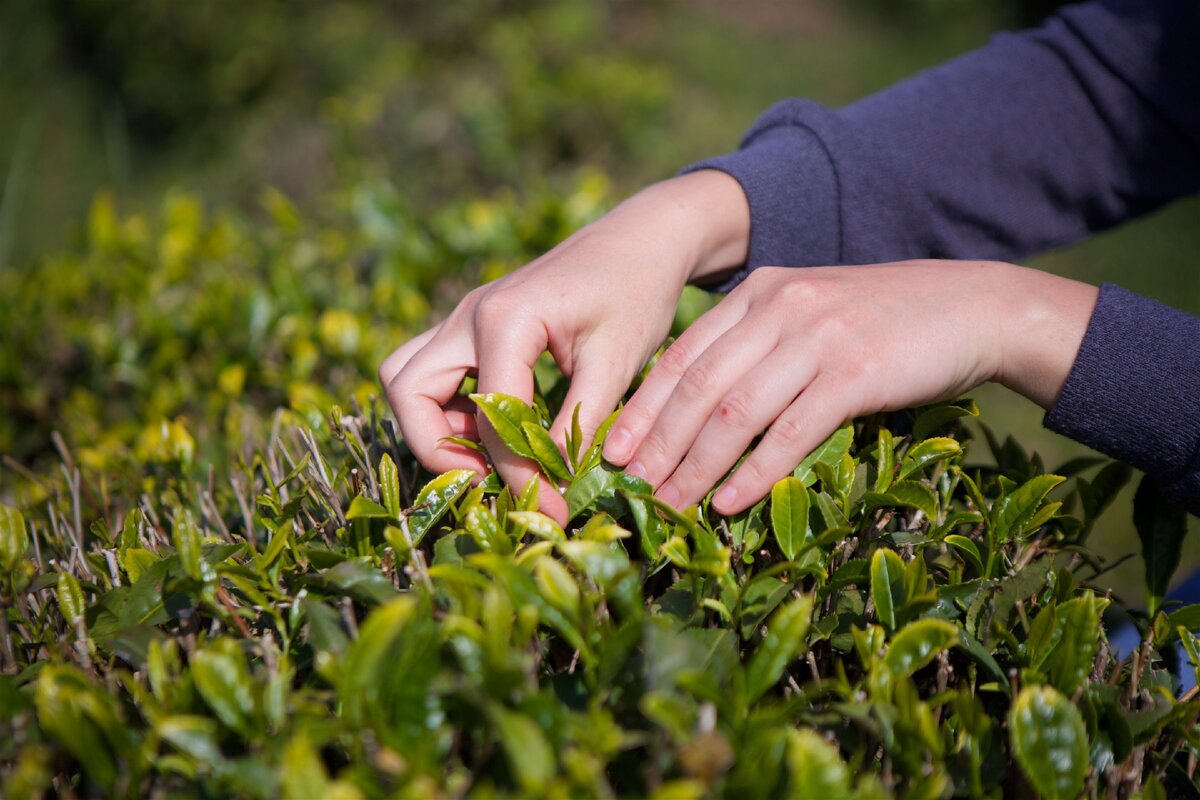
[{"x": 796, "y": 352}]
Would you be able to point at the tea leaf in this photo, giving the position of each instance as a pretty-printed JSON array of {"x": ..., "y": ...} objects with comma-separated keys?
[
  {"x": 887, "y": 586},
  {"x": 545, "y": 451},
  {"x": 13, "y": 539},
  {"x": 924, "y": 453},
  {"x": 435, "y": 499},
  {"x": 1161, "y": 527},
  {"x": 1048, "y": 738},
  {"x": 223, "y": 680},
  {"x": 939, "y": 416},
  {"x": 789, "y": 515},
  {"x": 507, "y": 414},
  {"x": 906, "y": 494},
  {"x": 785, "y": 639},
  {"x": 70, "y": 597},
  {"x": 1013, "y": 512},
  {"x": 538, "y": 524},
  {"x": 815, "y": 768},
  {"x": 529, "y": 754},
  {"x": 828, "y": 452},
  {"x": 917, "y": 644},
  {"x": 1070, "y": 663},
  {"x": 389, "y": 486}
]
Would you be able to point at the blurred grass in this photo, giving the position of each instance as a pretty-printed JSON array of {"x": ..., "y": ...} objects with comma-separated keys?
[{"x": 700, "y": 72}]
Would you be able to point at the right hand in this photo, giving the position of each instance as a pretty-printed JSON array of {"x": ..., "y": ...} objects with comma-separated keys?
[{"x": 601, "y": 302}]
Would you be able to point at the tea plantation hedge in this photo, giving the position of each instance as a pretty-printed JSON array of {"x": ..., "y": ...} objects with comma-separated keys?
[{"x": 205, "y": 596}]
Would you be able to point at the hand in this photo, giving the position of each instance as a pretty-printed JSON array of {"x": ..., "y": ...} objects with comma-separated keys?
[
  {"x": 797, "y": 352},
  {"x": 601, "y": 303}
]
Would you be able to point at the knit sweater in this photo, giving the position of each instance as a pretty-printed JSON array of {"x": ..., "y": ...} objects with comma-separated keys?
[{"x": 1031, "y": 142}]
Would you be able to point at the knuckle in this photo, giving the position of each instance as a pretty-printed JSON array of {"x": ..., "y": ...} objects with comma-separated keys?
[
  {"x": 691, "y": 473},
  {"x": 654, "y": 448},
  {"x": 798, "y": 292},
  {"x": 788, "y": 433},
  {"x": 698, "y": 379},
  {"x": 675, "y": 359},
  {"x": 751, "y": 473},
  {"x": 497, "y": 307},
  {"x": 736, "y": 409},
  {"x": 836, "y": 325}
]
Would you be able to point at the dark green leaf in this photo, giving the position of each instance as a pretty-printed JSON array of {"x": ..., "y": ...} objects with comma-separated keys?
[{"x": 1161, "y": 527}]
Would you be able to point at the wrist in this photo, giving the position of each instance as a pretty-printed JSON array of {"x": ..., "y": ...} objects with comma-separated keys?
[
  {"x": 1042, "y": 329},
  {"x": 702, "y": 218}
]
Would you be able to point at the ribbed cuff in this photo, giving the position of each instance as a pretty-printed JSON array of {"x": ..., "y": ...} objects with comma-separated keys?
[
  {"x": 791, "y": 187},
  {"x": 1134, "y": 390}
]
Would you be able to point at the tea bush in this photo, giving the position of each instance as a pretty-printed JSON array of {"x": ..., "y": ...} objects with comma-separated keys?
[
  {"x": 890, "y": 621},
  {"x": 214, "y": 581}
]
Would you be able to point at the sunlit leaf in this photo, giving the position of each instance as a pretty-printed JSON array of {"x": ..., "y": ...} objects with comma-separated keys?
[{"x": 1048, "y": 738}]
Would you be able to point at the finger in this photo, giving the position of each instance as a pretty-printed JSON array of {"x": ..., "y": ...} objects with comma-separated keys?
[
  {"x": 742, "y": 414},
  {"x": 418, "y": 393},
  {"x": 460, "y": 416},
  {"x": 395, "y": 362},
  {"x": 648, "y": 401},
  {"x": 816, "y": 413},
  {"x": 508, "y": 347},
  {"x": 599, "y": 381},
  {"x": 711, "y": 376}
]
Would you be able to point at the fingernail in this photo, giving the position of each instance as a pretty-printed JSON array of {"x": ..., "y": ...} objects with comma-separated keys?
[
  {"x": 617, "y": 443},
  {"x": 725, "y": 497},
  {"x": 669, "y": 495},
  {"x": 636, "y": 470}
]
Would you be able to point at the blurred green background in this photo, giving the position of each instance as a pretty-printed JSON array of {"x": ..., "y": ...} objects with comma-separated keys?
[{"x": 158, "y": 300}]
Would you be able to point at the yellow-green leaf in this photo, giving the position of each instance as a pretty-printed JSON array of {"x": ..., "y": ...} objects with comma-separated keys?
[
  {"x": 538, "y": 524},
  {"x": 529, "y": 754},
  {"x": 785, "y": 639},
  {"x": 545, "y": 451},
  {"x": 815, "y": 767},
  {"x": 70, "y": 597},
  {"x": 917, "y": 644},
  {"x": 389, "y": 485},
  {"x": 507, "y": 413},
  {"x": 1048, "y": 738},
  {"x": 829, "y": 452},
  {"x": 887, "y": 585},
  {"x": 789, "y": 515},
  {"x": 435, "y": 499},
  {"x": 13, "y": 539},
  {"x": 922, "y": 454}
]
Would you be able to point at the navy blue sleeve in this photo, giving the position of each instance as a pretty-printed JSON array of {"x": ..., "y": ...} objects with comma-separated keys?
[
  {"x": 1031, "y": 142},
  {"x": 1028, "y": 143},
  {"x": 1134, "y": 391}
]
